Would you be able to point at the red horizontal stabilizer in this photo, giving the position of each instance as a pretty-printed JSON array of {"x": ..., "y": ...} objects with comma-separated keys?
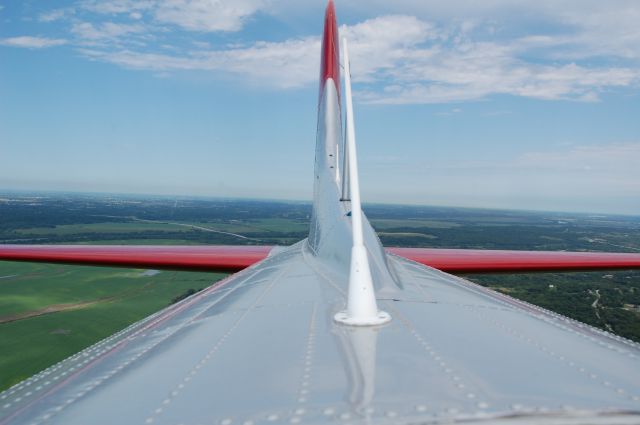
[
  {"x": 235, "y": 258},
  {"x": 498, "y": 261},
  {"x": 194, "y": 258}
]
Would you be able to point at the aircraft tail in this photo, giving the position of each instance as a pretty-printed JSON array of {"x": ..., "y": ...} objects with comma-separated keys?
[
  {"x": 329, "y": 144},
  {"x": 340, "y": 235}
]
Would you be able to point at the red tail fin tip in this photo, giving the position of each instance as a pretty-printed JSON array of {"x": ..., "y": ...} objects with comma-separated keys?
[{"x": 330, "y": 65}]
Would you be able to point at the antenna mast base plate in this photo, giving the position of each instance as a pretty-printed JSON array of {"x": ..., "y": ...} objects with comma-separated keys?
[{"x": 379, "y": 319}]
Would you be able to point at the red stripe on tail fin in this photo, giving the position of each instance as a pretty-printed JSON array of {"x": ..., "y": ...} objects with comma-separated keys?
[{"x": 330, "y": 65}]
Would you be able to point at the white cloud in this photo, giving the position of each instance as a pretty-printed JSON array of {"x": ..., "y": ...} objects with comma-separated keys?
[
  {"x": 587, "y": 27},
  {"x": 29, "y": 42},
  {"x": 384, "y": 42},
  {"x": 144, "y": 61},
  {"x": 114, "y": 7},
  {"x": 449, "y": 113},
  {"x": 617, "y": 160},
  {"x": 263, "y": 62},
  {"x": 587, "y": 178},
  {"x": 54, "y": 15},
  {"x": 192, "y": 15},
  {"x": 396, "y": 59},
  {"x": 207, "y": 15},
  {"x": 201, "y": 45},
  {"x": 613, "y": 160},
  {"x": 106, "y": 30},
  {"x": 452, "y": 66},
  {"x": 421, "y": 52},
  {"x": 451, "y": 76}
]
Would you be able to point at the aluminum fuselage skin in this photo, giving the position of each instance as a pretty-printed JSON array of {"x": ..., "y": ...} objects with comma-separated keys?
[{"x": 262, "y": 347}]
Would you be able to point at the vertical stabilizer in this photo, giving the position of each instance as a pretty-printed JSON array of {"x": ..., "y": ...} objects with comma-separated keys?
[
  {"x": 341, "y": 239},
  {"x": 329, "y": 134}
]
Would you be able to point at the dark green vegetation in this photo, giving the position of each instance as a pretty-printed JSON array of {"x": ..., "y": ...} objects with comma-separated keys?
[
  {"x": 48, "y": 312},
  {"x": 185, "y": 294},
  {"x": 605, "y": 300},
  {"x": 103, "y": 219}
]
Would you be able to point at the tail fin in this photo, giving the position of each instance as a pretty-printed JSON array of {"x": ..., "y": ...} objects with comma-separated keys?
[
  {"x": 329, "y": 145},
  {"x": 340, "y": 237}
]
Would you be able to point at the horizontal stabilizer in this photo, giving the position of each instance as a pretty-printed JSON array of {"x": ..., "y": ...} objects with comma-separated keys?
[
  {"x": 236, "y": 258},
  {"x": 460, "y": 261},
  {"x": 192, "y": 258}
]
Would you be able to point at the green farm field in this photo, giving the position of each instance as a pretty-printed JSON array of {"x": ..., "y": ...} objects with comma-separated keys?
[{"x": 49, "y": 312}]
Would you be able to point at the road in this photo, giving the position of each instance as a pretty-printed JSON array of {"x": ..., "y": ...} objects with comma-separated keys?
[{"x": 193, "y": 226}]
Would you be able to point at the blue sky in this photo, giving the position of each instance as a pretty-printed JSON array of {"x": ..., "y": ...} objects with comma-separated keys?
[{"x": 498, "y": 104}]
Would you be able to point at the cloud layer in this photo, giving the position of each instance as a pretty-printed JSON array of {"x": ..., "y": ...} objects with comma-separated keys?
[
  {"x": 414, "y": 52},
  {"x": 582, "y": 178},
  {"x": 29, "y": 42}
]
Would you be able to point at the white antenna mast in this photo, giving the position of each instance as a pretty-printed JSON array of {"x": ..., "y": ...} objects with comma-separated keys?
[{"x": 362, "y": 309}]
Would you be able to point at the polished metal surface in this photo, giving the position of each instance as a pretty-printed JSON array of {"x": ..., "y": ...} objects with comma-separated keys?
[{"x": 263, "y": 348}]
